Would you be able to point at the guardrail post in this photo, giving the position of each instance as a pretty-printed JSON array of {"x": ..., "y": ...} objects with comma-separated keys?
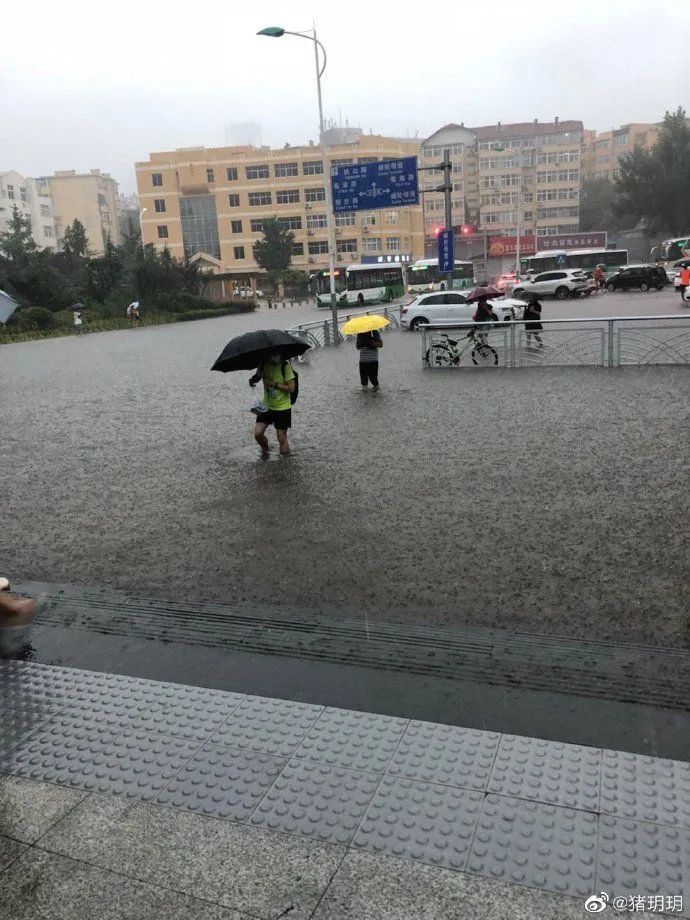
[
  {"x": 511, "y": 359},
  {"x": 326, "y": 333},
  {"x": 610, "y": 342}
]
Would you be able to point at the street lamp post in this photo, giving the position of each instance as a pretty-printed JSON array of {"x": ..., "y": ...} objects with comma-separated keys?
[{"x": 310, "y": 34}]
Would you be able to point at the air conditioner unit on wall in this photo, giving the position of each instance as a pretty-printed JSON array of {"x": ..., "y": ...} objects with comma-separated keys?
[{"x": 311, "y": 259}]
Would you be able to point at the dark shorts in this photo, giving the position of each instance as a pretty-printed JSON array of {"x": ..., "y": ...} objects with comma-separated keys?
[{"x": 281, "y": 419}]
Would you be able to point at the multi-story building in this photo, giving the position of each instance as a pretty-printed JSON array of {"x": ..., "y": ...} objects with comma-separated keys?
[
  {"x": 535, "y": 165},
  {"x": 31, "y": 197},
  {"x": 211, "y": 203},
  {"x": 91, "y": 198},
  {"x": 605, "y": 149}
]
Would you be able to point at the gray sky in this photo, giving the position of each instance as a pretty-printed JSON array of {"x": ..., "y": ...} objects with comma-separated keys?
[{"x": 85, "y": 85}]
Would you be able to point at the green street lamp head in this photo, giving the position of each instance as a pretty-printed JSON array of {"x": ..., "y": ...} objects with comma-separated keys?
[{"x": 272, "y": 32}]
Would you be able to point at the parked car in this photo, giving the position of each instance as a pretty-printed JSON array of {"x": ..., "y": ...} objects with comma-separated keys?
[
  {"x": 562, "y": 283},
  {"x": 643, "y": 277},
  {"x": 449, "y": 306},
  {"x": 247, "y": 292},
  {"x": 506, "y": 281}
]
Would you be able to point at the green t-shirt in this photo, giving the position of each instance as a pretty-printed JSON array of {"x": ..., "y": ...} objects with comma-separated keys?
[{"x": 277, "y": 400}]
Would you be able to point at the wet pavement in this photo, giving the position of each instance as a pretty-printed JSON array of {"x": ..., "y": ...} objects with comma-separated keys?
[{"x": 547, "y": 500}]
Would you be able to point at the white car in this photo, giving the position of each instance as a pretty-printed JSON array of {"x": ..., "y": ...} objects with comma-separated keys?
[
  {"x": 562, "y": 283},
  {"x": 452, "y": 306}
]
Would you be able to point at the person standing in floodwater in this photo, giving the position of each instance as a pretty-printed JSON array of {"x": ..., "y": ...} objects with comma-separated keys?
[{"x": 368, "y": 346}]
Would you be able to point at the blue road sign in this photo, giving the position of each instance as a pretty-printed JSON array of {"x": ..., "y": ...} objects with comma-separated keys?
[
  {"x": 367, "y": 186},
  {"x": 446, "y": 251}
]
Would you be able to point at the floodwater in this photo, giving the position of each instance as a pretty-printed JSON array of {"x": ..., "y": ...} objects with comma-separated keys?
[{"x": 545, "y": 500}]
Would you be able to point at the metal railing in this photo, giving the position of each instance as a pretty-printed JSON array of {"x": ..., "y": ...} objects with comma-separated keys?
[
  {"x": 610, "y": 341},
  {"x": 319, "y": 334}
]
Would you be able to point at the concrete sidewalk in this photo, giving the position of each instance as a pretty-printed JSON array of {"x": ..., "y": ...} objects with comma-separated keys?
[{"x": 129, "y": 798}]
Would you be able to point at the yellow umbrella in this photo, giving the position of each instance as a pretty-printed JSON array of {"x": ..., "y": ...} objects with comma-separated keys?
[{"x": 365, "y": 324}]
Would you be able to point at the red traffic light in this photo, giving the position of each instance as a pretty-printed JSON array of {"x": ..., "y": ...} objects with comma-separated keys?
[
  {"x": 438, "y": 230},
  {"x": 465, "y": 230}
]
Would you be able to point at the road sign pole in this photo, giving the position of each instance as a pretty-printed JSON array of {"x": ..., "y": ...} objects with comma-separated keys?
[{"x": 447, "y": 189}]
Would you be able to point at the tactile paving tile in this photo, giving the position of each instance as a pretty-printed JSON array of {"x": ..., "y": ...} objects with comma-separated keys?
[
  {"x": 315, "y": 800},
  {"x": 541, "y": 846},
  {"x": 547, "y": 771},
  {"x": 645, "y": 788},
  {"x": 269, "y": 726},
  {"x": 422, "y": 821},
  {"x": 195, "y": 717},
  {"x": 19, "y": 721},
  {"x": 353, "y": 740},
  {"x": 223, "y": 782},
  {"x": 445, "y": 754},
  {"x": 635, "y": 858}
]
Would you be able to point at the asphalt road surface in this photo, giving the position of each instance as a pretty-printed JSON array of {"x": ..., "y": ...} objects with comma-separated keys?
[{"x": 545, "y": 500}]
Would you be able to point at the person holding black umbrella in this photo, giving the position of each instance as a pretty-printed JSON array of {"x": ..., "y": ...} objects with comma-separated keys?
[{"x": 279, "y": 383}]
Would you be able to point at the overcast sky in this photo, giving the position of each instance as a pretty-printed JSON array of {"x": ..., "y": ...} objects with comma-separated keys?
[{"x": 87, "y": 85}]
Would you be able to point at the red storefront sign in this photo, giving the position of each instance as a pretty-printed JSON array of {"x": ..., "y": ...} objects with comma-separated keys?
[
  {"x": 594, "y": 240},
  {"x": 507, "y": 246}
]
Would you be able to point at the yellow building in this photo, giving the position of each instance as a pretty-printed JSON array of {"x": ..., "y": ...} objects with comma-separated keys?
[
  {"x": 213, "y": 202},
  {"x": 91, "y": 198},
  {"x": 605, "y": 149}
]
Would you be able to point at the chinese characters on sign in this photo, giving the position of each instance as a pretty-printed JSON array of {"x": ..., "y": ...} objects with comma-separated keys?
[
  {"x": 367, "y": 186},
  {"x": 446, "y": 251},
  {"x": 507, "y": 246},
  {"x": 573, "y": 241}
]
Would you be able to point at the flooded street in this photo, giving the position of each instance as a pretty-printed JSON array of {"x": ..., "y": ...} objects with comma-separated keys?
[{"x": 545, "y": 500}]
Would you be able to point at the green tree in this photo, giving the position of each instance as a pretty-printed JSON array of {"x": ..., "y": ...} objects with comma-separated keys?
[
  {"x": 105, "y": 272},
  {"x": 656, "y": 183},
  {"x": 273, "y": 253},
  {"x": 17, "y": 242},
  {"x": 75, "y": 241}
]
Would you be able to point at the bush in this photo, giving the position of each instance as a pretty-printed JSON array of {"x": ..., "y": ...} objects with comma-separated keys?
[
  {"x": 180, "y": 302},
  {"x": 32, "y": 318}
]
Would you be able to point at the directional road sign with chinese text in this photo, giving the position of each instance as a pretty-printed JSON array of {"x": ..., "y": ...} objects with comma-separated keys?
[
  {"x": 367, "y": 186},
  {"x": 446, "y": 251}
]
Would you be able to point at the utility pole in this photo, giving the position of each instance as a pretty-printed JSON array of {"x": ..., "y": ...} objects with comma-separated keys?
[
  {"x": 447, "y": 168},
  {"x": 519, "y": 217}
]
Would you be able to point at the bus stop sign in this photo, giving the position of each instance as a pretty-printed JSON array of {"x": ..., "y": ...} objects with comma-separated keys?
[
  {"x": 367, "y": 186},
  {"x": 446, "y": 251}
]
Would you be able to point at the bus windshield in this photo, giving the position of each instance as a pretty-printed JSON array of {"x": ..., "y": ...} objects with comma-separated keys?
[
  {"x": 672, "y": 250},
  {"x": 320, "y": 282}
]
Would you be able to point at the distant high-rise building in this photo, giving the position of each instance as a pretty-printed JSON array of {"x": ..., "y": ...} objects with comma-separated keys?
[
  {"x": 212, "y": 203},
  {"x": 32, "y": 199},
  {"x": 91, "y": 198},
  {"x": 243, "y": 134},
  {"x": 604, "y": 149}
]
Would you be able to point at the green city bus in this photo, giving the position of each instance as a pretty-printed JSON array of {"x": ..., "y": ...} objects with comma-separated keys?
[
  {"x": 584, "y": 259},
  {"x": 423, "y": 275},
  {"x": 360, "y": 285}
]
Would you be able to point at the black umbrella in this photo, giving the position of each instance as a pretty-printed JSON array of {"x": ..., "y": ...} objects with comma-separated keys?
[
  {"x": 248, "y": 351},
  {"x": 483, "y": 292}
]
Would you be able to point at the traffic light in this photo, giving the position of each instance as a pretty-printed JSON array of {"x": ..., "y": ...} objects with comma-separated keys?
[
  {"x": 437, "y": 230},
  {"x": 466, "y": 230}
]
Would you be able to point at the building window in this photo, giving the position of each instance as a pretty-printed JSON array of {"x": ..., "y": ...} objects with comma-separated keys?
[
  {"x": 209, "y": 175},
  {"x": 259, "y": 199},
  {"x": 159, "y": 205},
  {"x": 345, "y": 220},
  {"x": 347, "y": 246},
  {"x": 345, "y": 161},
  {"x": 393, "y": 244},
  {"x": 318, "y": 247},
  {"x": 316, "y": 221},
  {"x": 392, "y": 217},
  {"x": 199, "y": 225},
  {"x": 289, "y": 196},
  {"x": 315, "y": 194},
  {"x": 22, "y": 193},
  {"x": 369, "y": 220},
  {"x": 367, "y": 159},
  {"x": 298, "y": 249},
  {"x": 371, "y": 245},
  {"x": 231, "y": 173},
  {"x": 162, "y": 232},
  {"x": 621, "y": 140},
  {"x": 157, "y": 179},
  {"x": 47, "y": 230},
  {"x": 257, "y": 172},
  {"x": 236, "y": 226},
  {"x": 256, "y": 226},
  {"x": 282, "y": 170},
  {"x": 234, "y": 200},
  {"x": 312, "y": 168},
  {"x": 290, "y": 223},
  {"x": 239, "y": 252},
  {"x": 45, "y": 210},
  {"x": 10, "y": 192}
]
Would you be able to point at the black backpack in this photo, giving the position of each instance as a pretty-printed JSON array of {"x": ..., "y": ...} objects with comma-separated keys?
[{"x": 295, "y": 392}]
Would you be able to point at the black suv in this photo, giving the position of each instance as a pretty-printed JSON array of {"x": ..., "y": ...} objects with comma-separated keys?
[{"x": 643, "y": 277}]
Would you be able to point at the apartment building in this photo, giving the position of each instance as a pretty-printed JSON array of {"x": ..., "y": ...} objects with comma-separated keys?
[
  {"x": 211, "y": 203},
  {"x": 497, "y": 168},
  {"x": 32, "y": 198},
  {"x": 91, "y": 198},
  {"x": 604, "y": 149}
]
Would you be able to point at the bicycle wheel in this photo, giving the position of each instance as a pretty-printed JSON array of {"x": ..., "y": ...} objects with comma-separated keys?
[
  {"x": 439, "y": 356},
  {"x": 484, "y": 355}
]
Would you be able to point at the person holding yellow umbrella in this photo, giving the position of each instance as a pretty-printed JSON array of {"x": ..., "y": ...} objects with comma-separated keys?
[{"x": 369, "y": 343}]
